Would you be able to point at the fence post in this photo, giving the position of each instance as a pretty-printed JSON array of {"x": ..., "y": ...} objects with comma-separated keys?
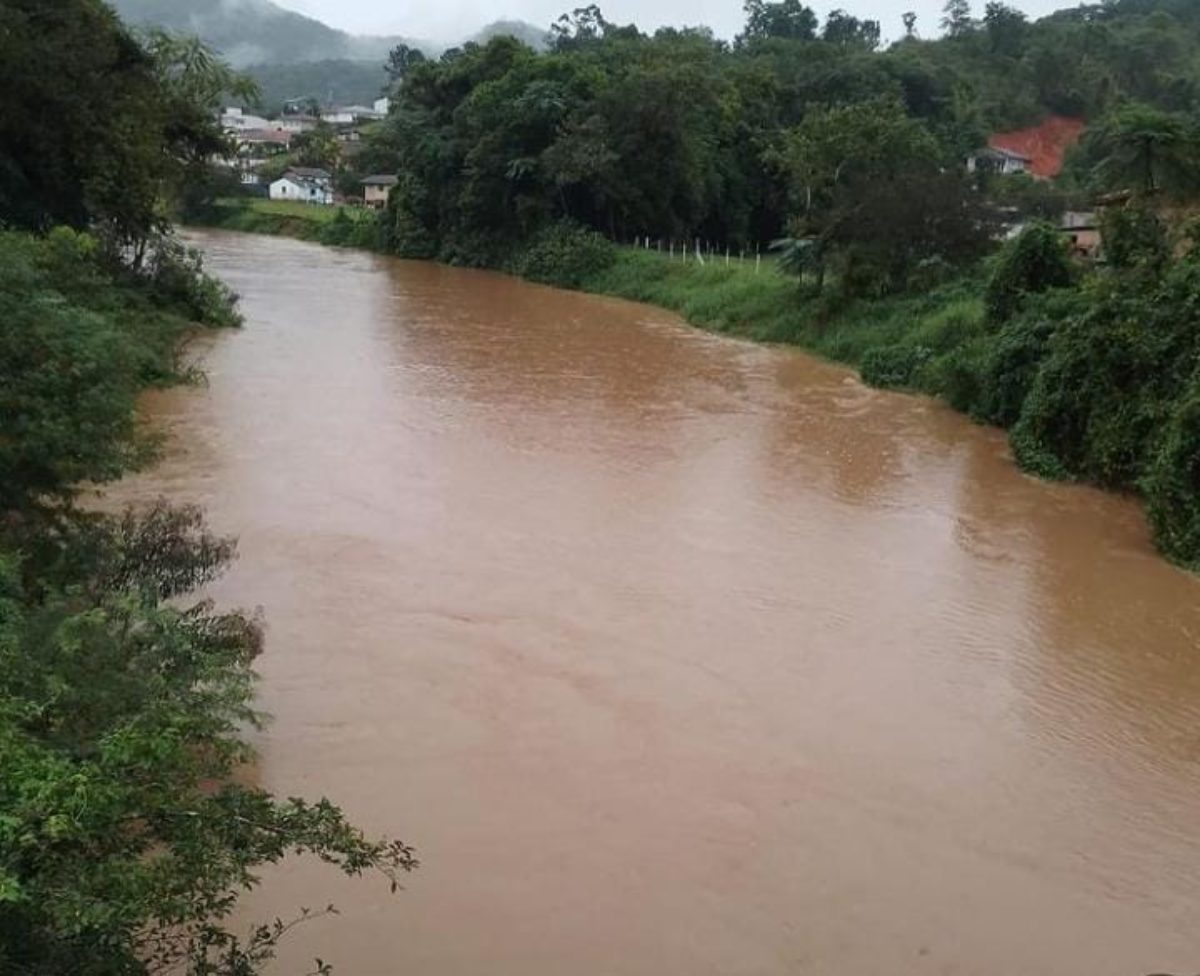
[{"x": 757, "y": 260}]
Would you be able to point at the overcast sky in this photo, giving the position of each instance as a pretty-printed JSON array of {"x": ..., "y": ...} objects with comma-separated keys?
[{"x": 450, "y": 20}]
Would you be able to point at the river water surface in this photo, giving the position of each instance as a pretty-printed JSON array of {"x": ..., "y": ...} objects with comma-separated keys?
[{"x": 675, "y": 655}]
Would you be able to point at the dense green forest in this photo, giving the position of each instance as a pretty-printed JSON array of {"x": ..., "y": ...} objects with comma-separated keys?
[
  {"x": 678, "y": 134},
  {"x": 125, "y": 699}
]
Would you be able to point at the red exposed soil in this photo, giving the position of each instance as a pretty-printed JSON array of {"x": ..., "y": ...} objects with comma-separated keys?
[{"x": 1046, "y": 144}]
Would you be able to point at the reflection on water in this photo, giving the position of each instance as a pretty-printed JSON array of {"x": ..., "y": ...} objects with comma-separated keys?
[{"x": 677, "y": 655}]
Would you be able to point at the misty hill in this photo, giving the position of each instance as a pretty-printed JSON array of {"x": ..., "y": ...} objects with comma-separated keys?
[
  {"x": 249, "y": 32},
  {"x": 293, "y": 56},
  {"x": 330, "y": 82}
]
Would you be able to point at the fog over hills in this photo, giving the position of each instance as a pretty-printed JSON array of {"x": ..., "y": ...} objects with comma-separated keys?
[
  {"x": 253, "y": 32},
  {"x": 249, "y": 32}
]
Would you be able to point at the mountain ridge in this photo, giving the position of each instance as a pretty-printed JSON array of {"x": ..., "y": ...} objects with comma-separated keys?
[
  {"x": 247, "y": 32},
  {"x": 262, "y": 33}
]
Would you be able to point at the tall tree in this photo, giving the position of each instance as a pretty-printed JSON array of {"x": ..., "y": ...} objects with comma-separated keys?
[
  {"x": 401, "y": 60},
  {"x": 1147, "y": 150},
  {"x": 1005, "y": 27},
  {"x": 783, "y": 18},
  {"x": 842, "y": 28},
  {"x": 97, "y": 128},
  {"x": 956, "y": 17}
]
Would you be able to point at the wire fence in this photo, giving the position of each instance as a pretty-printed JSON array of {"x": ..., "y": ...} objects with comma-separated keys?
[{"x": 704, "y": 253}]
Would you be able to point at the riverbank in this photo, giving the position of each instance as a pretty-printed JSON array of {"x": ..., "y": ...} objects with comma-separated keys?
[
  {"x": 1096, "y": 382},
  {"x": 895, "y": 342}
]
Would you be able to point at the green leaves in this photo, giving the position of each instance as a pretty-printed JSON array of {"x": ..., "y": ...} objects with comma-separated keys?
[
  {"x": 1147, "y": 150},
  {"x": 1032, "y": 263},
  {"x": 123, "y": 704}
]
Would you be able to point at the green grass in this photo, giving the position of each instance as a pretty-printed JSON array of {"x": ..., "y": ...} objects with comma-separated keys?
[
  {"x": 761, "y": 303},
  {"x": 310, "y": 222},
  {"x": 303, "y": 211}
]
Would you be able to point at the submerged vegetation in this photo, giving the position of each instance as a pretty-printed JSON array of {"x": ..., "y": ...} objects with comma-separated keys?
[{"x": 126, "y": 697}]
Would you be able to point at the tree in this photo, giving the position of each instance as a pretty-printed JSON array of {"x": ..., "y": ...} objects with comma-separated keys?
[
  {"x": 1134, "y": 236},
  {"x": 784, "y": 18},
  {"x": 910, "y": 23},
  {"x": 98, "y": 128},
  {"x": 1147, "y": 150},
  {"x": 124, "y": 700},
  {"x": 843, "y": 29},
  {"x": 583, "y": 26},
  {"x": 956, "y": 17},
  {"x": 1005, "y": 28},
  {"x": 118, "y": 713},
  {"x": 1034, "y": 262},
  {"x": 870, "y": 191},
  {"x": 318, "y": 147},
  {"x": 401, "y": 60}
]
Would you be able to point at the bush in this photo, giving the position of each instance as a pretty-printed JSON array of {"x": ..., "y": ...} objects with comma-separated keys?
[
  {"x": 1113, "y": 374},
  {"x": 361, "y": 231},
  {"x": 894, "y": 366},
  {"x": 176, "y": 277},
  {"x": 406, "y": 228},
  {"x": 1134, "y": 236},
  {"x": 1035, "y": 261},
  {"x": 1173, "y": 483},
  {"x": 1015, "y": 354},
  {"x": 566, "y": 255}
]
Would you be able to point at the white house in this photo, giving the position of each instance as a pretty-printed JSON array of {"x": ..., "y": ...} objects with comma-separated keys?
[
  {"x": 302, "y": 185},
  {"x": 382, "y": 106},
  {"x": 1002, "y": 161}
]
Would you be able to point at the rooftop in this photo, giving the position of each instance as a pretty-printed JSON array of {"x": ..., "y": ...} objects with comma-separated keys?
[{"x": 308, "y": 173}]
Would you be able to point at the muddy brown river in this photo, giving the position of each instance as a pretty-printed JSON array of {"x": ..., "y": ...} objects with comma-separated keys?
[{"x": 675, "y": 655}]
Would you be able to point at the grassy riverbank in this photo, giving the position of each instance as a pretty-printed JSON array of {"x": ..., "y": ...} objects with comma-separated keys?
[
  {"x": 345, "y": 226},
  {"x": 1097, "y": 379},
  {"x": 745, "y": 298}
]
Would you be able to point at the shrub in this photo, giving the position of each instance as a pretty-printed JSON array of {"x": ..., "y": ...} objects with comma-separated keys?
[
  {"x": 361, "y": 230},
  {"x": 407, "y": 220},
  {"x": 176, "y": 277},
  {"x": 1035, "y": 261},
  {"x": 893, "y": 366},
  {"x": 566, "y": 255},
  {"x": 1134, "y": 236},
  {"x": 1173, "y": 483},
  {"x": 1112, "y": 376},
  {"x": 1015, "y": 354}
]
